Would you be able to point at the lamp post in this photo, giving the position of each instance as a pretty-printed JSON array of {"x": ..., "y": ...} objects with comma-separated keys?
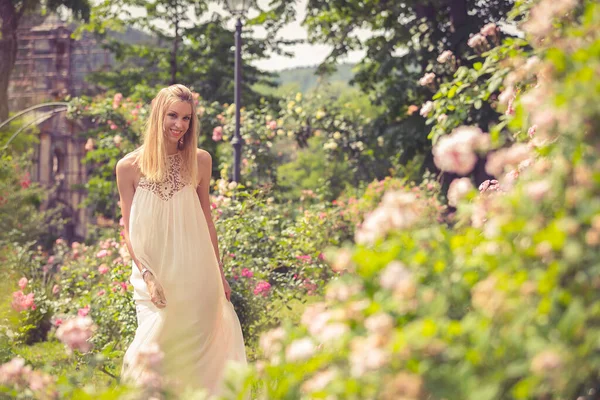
[{"x": 238, "y": 8}]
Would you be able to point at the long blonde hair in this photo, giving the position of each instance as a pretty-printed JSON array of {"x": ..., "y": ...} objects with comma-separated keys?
[{"x": 152, "y": 157}]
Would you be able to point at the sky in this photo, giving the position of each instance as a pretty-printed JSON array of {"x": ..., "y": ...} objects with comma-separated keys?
[{"x": 304, "y": 54}]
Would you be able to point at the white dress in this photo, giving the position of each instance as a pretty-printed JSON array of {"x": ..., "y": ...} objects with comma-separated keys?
[{"x": 198, "y": 331}]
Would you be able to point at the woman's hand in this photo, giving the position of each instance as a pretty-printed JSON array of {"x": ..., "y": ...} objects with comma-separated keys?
[
  {"x": 227, "y": 288},
  {"x": 157, "y": 294}
]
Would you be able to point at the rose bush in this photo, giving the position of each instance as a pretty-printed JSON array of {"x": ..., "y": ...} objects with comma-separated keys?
[{"x": 502, "y": 301}]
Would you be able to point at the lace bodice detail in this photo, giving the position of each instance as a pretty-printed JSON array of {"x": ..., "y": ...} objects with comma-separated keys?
[{"x": 174, "y": 183}]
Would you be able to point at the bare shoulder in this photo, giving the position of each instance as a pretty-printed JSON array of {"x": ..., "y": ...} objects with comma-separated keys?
[
  {"x": 203, "y": 157},
  {"x": 204, "y": 160},
  {"x": 126, "y": 166}
]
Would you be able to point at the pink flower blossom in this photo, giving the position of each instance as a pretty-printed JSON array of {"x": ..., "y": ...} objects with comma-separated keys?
[
  {"x": 113, "y": 126},
  {"x": 262, "y": 288},
  {"x": 25, "y": 183},
  {"x": 538, "y": 190},
  {"x": 489, "y": 30},
  {"x": 426, "y": 109},
  {"x": 55, "y": 290},
  {"x": 76, "y": 333},
  {"x": 305, "y": 258},
  {"x": 531, "y": 131},
  {"x": 508, "y": 157},
  {"x": 398, "y": 210},
  {"x": 117, "y": 139},
  {"x": 101, "y": 292},
  {"x": 246, "y": 273},
  {"x": 545, "y": 362},
  {"x": 58, "y": 322},
  {"x": 103, "y": 269},
  {"x": 15, "y": 372},
  {"x": 478, "y": 42},
  {"x": 507, "y": 94},
  {"x": 427, "y": 79},
  {"x": 123, "y": 286},
  {"x": 89, "y": 145},
  {"x": 83, "y": 312},
  {"x": 22, "y": 302},
  {"x": 458, "y": 189},
  {"x": 272, "y": 125},
  {"x": 217, "y": 135},
  {"x": 445, "y": 56},
  {"x": 102, "y": 253},
  {"x": 39, "y": 381},
  {"x": 23, "y": 282},
  {"x": 456, "y": 152},
  {"x": 489, "y": 185}
]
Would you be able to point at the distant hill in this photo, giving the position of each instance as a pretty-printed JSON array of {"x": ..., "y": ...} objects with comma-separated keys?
[{"x": 306, "y": 79}]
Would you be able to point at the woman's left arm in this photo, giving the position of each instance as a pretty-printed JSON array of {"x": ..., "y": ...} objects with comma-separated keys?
[{"x": 203, "y": 188}]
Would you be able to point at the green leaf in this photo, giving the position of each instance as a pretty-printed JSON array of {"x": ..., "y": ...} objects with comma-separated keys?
[{"x": 452, "y": 92}]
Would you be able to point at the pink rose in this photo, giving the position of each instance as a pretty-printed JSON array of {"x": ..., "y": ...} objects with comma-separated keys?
[
  {"x": 246, "y": 273},
  {"x": 102, "y": 292},
  {"x": 262, "y": 288},
  {"x": 83, "y": 312},
  {"x": 273, "y": 125},
  {"x": 456, "y": 151},
  {"x": 444, "y": 57},
  {"x": 102, "y": 269},
  {"x": 23, "y": 282},
  {"x": 55, "y": 290},
  {"x": 22, "y": 302},
  {"x": 427, "y": 79},
  {"x": 217, "y": 134},
  {"x": 489, "y": 30},
  {"x": 76, "y": 333},
  {"x": 531, "y": 131},
  {"x": 102, "y": 253},
  {"x": 458, "y": 189},
  {"x": 426, "y": 109}
]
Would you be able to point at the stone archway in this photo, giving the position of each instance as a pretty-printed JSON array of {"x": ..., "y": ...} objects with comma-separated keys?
[{"x": 58, "y": 166}]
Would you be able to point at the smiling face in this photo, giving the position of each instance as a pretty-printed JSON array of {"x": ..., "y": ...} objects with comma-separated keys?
[{"x": 177, "y": 121}]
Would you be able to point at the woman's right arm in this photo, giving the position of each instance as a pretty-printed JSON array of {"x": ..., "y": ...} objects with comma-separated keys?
[{"x": 126, "y": 176}]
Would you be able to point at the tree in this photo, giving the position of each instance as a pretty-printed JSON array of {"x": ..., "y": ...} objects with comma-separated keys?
[
  {"x": 11, "y": 12},
  {"x": 198, "y": 54},
  {"x": 405, "y": 39}
]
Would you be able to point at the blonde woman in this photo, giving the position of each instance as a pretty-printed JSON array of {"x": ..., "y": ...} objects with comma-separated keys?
[{"x": 182, "y": 297}]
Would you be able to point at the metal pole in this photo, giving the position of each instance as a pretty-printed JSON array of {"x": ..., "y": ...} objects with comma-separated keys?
[{"x": 237, "y": 140}]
